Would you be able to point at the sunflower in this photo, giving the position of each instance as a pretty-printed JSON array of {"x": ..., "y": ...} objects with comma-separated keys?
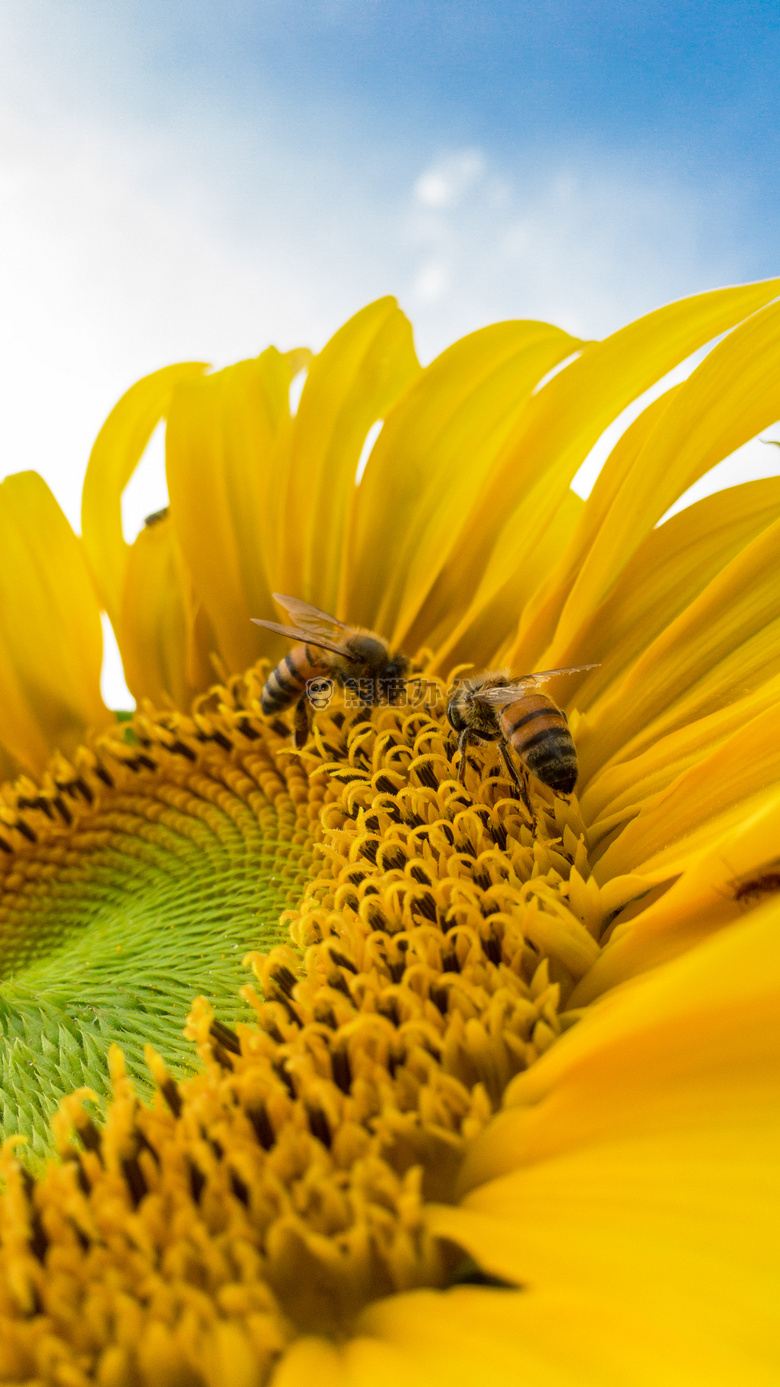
[{"x": 501, "y": 1103}]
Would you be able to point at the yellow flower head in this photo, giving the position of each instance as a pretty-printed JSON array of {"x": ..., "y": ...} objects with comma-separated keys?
[{"x": 501, "y": 1104}]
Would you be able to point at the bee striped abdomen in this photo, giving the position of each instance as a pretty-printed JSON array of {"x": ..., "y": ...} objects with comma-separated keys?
[
  {"x": 286, "y": 683},
  {"x": 537, "y": 732}
]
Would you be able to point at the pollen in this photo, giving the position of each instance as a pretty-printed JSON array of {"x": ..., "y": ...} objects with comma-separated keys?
[{"x": 279, "y": 1190}]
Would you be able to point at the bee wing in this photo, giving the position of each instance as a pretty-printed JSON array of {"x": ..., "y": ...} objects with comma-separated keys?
[
  {"x": 300, "y": 635},
  {"x": 541, "y": 675},
  {"x": 505, "y": 693},
  {"x": 509, "y": 693},
  {"x": 311, "y": 619}
]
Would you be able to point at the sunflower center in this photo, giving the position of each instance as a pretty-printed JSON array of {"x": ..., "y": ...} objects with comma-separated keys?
[{"x": 430, "y": 960}]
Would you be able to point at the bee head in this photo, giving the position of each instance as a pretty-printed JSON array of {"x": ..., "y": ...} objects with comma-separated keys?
[
  {"x": 397, "y": 666},
  {"x": 393, "y": 676},
  {"x": 368, "y": 651}
]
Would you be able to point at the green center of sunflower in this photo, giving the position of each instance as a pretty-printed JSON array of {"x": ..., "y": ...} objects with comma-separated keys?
[
  {"x": 130, "y": 882},
  {"x": 284, "y": 1186}
]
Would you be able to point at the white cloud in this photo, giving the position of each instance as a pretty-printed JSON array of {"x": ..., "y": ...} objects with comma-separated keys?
[
  {"x": 431, "y": 282},
  {"x": 447, "y": 182}
]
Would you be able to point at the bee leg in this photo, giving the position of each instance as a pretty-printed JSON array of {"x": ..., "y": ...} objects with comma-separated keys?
[
  {"x": 527, "y": 801},
  {"x": 521, "y": 785},
  {"x": 300, "y": 723},
  {"x": 463, "y": 746},
  {"x": 509, "y": 767}
]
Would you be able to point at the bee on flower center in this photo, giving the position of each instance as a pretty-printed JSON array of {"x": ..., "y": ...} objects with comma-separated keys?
[
  {"x": 327, "y": 649},
  {"x": 494, "y": 708}
]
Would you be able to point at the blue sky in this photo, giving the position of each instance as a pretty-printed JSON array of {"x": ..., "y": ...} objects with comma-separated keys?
[
  {"x": 198, "y": 179},
  {"x": 593, "y": 158}
]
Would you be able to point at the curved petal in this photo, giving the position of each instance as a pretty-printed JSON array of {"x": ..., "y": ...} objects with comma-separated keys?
[
  {"x": 550, "y": 593},
  {"x": 704, "y": 899},
  {"x": 724, "y": 644},
  {"x": 500, "y": 1338},
  {"x": 626, "y": 786},
  {"x": 671, "y": 568},
  {"x": 164, "y": 651},
  {"x": 114, "y": 457},
  {"x": 550, "y": 1338},
  {"x": 311, "y": 1360},
  {"x": 222, "y": 440},
  {"x": 703, "y": 803},
  {"x": 485, "y": 640},
  {"x": 51, "y": 643},
  {"x": 356, "y": 378},
  {"x": 427, "y": 468}
]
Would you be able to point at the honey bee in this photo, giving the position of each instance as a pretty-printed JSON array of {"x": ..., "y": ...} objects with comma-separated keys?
[
  {"x": 327, "y": 649},
  {"x": 494, "y": 708}
]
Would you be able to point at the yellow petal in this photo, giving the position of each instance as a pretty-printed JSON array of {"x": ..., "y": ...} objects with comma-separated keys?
[
  {"x": 543, "y": 1338},
  {"x": 485, "y": 639},
  {"x": 223, "y": 480},
  {"x": 51, "y": 643},
  {"x": 626, "y": 786},
  {"x": 298, "y": 359},
  {"x": 702, "y": 804},
  {"x": 705, "y": 898},
  {"x": 114, "y": 457},
  {"x": 427, "y": 467},
  {"x": 550, "y": 592},
  {"x": 463, "y": 1337},
  {"x": 669, "y": 571},
  {"x": 310, "y": 1360},
  {"x": 353, "y": 382},
  {"x": 723, "y": 645},
  {"x": 494, "y": 1338},
  {"x": 155, "y": 626}
]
